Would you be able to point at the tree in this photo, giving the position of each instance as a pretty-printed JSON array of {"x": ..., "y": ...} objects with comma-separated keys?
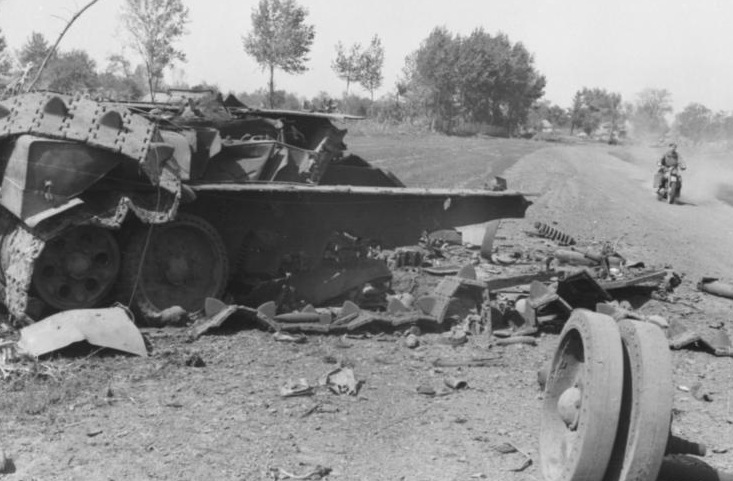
[
  {"x": 6, "y": 63},
  {"x": 119, "y": 81},
  {"x": 520, "y": 85},
  {"x": 155, "y": 26},
  {"x": 32, "y": 53},
  {"x": 260, "y": 99},
  {"x": 594, "y": 107},
  {"x": 280, "y": 38},
  {"x": 71, "y": 72},
  {"x": 480, "y": 78},
  {"x": 346, "y": 65},
  {"x": 117, "y": 64},
  {"x": 694, "y": 122},
  {"x": 650, "y": 109},
  {"x": 431, "y": 74},
  {"x": 370, "y": 66},
  {"x": 558, "y": 116},
  {"x": 545, "y": 110}
]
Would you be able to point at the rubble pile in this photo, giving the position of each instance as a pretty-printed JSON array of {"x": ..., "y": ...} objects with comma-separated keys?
[{"x": 445, "y": 285}]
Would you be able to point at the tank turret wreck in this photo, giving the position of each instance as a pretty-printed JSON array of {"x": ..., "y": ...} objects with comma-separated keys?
[{"x": 160, "y": 205}]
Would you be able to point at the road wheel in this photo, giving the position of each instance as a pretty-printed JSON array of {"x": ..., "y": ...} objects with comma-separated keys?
[
  {"x": 582, "y": 399},
  {"x": 646, "y": 406},
  {"x": 77, "y": 269},
  {"x": 672, "y": 192},
  {"x": 179, "y": 263}
]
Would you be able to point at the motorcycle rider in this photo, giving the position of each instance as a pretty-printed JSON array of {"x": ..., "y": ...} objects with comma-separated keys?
[{"x": 669, "y": 160}]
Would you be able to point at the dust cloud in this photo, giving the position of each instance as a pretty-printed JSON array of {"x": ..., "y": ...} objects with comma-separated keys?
[{"x": 709, "y": 176}]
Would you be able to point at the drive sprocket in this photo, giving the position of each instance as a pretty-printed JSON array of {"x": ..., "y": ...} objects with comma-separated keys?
[{"x": 77, "y": 269}]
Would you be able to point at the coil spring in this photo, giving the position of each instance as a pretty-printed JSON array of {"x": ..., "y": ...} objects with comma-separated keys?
[{"x": 553, "y": 234}]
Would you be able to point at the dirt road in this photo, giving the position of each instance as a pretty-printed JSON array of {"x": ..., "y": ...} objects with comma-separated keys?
[
  {"x": 605, "y": 194},
  {"x": 162, "y": 418}
]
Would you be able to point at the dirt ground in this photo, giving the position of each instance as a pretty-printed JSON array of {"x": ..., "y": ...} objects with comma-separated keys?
[{"x": 169, "y": 417}]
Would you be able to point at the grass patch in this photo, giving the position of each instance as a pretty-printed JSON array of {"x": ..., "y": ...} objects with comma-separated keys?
[{"x": 436, "y": 160}]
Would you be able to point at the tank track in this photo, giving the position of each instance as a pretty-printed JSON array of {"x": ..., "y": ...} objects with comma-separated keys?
[{"x": 106, "y": 126}]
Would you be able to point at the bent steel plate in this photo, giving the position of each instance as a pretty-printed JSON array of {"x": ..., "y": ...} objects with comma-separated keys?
[
  {"x": 582, "y": 399},
  {"x": 112, "y": 327},
  {"x": 394, "y": 215},
  {"x": 646, "y": 406}
]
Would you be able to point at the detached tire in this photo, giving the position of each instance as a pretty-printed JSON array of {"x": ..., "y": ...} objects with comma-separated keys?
[
  {"x": 580, "y": 413},
  {"x": 646, "y": 408},
  {"x": 179, "y": 263}
]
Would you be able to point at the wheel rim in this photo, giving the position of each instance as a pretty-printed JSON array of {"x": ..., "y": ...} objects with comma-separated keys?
[
  {"x": 77, "y": 269},
  {"x": 646, "y": 406},
  {"x": 184, "y": 264},
  {"x": 582, "y": 399}
]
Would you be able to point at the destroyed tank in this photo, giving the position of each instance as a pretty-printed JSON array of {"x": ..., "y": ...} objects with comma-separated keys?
[{"x": 157, "y": 205}]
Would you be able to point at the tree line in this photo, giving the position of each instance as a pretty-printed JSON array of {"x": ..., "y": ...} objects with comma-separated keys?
[
  {"x": 450, "y": 79},
  {"x": 601, "y": 113},
  {"x": 451, "y": 83}
]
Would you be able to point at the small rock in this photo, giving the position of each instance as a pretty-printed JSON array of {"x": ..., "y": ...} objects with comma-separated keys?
[
  {"x": 455, "y": 337},
  {"x": 426, "y": 390},
  {"x": 411, "y": 341},
  {"x": 659, "y": 321},
  {"x": 700, "y": 394},
  {"x": 285, "y": 337},
  {"x": 414, "y": 330},
  {"x": 173, "y": 316},
  {"x": 6, "y": 463},
  {"x": 407, "y": 299},
  {"x": 542, "y": 374},
  {"x": 194, "y": 360},
  {"x": 505, "y": 448},
  {"x": 456, "y": 383},
  {"x": 330, "y": 360}
]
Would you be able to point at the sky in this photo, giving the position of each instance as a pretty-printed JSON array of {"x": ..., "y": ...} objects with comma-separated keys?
[{"x": 623, "y": 46}]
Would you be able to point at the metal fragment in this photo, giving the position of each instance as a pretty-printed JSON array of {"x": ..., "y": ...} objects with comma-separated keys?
[
  {"x": 112, "y": 327},
  {"x": 554, "y": 234}
]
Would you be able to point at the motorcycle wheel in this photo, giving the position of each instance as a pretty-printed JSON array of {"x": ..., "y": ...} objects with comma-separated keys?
[{"x": 672, "y": 193}]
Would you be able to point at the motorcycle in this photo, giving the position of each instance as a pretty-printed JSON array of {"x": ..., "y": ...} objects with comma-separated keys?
[{"x": 668, "y": 182}]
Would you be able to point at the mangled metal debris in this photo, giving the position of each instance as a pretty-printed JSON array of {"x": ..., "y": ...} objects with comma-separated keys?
[
  {"x": 714, "y": 286},
  {"x": 499, "y": 283},
  {"x": 297, "y": 388},
  {"x": 455, "y": 297},
  {"x": 341, "y": 381},
  {"x": 647, "y": 277},
  {"x": 554, "y": 234},
  {"x": 715, "y": 341},
  {"x": 541, "y": 303},
  {"x": 111, "y": 328},
  {"x": 582, "y": 290},
  {"x": 617, "y": 312},
  {"x": 163, "y": 205}
]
